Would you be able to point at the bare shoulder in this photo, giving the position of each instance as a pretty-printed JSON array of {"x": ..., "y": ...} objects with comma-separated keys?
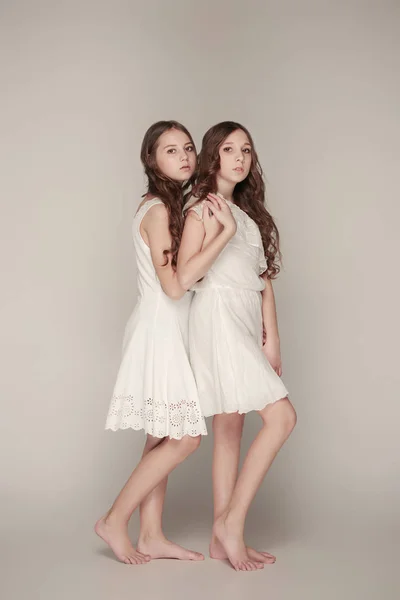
[
  {"x": 158, "y": 212},
  {"x": 194, "y": 209},
  {"x": 156, "y": 217},
  {"x": 147, "y": 199}
]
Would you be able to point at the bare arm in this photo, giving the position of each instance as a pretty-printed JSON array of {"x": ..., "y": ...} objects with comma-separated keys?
[
  {"x": 269, "y": 310},
  {"x": 156, "y": 227},
  {"x": 196, "y": 257},
  {"x": 270, "y": 321}
]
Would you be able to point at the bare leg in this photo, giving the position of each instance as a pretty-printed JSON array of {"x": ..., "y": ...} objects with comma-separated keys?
[
  {"x": 228, "y": 429},
  {"x": 150, "y": 472},
  {"x": 152, "y": 540},
  {"x": 279, "y": 420}
]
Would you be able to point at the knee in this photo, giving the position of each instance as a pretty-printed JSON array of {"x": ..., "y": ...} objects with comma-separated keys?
[
  {"x": 283, "y": 415},
  {"x": 290, "y": 418}
]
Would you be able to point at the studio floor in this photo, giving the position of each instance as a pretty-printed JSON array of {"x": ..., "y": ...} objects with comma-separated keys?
[{"x": 75, "y": 565}]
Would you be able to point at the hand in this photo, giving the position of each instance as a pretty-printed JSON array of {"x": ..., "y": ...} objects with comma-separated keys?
[
  {"x": 221, "y": 211},
  {"x": 212, "y": 226},
  {"x": 272, "y": 351}
]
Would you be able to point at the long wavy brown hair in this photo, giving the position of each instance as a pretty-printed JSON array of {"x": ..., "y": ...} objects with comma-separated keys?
[
  {"x": 169, "y": 191},
  {"x": 249, "y": 194}
]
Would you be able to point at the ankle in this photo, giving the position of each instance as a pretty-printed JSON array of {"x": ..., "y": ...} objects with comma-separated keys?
[
  {"x": 151, "y": 534},
  {"x": 234, "y": 522},
  {"x": 112, "y": 518}
]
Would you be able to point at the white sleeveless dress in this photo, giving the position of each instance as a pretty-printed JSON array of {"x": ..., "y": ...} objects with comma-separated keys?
[
  {"x": 155, "y": 388},
  {"x": 225, "y": 327}
]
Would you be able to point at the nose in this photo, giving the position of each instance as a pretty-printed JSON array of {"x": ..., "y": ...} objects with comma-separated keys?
[
  {"x": 184, "y": 156},
  {"x": 240, "y": 157}
]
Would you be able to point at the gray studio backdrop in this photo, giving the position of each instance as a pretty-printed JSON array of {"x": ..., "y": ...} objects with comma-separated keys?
[{"x": 317, "y": 84}]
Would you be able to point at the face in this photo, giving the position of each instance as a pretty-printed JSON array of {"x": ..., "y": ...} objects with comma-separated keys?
[
  {"x": 176, "y": 155},
  {"x": 235, "y": 157}
]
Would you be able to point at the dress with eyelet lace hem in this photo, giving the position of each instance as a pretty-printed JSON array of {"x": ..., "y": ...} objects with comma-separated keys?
[
  {"x": 225, "y": 326},
  {"x": 155, "y": 388}
]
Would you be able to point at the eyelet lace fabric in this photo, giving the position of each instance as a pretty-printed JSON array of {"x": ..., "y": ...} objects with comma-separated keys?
[{"x": 155, "y": 417}]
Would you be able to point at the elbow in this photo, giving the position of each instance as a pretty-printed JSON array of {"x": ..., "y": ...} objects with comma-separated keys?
[
  {"x": 184, "y": 281},
  {"x": 176, "y": 294}
]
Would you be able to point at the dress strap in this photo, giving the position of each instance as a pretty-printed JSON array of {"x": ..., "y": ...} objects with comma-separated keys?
[
  {"x": 196, "y": 208},
  {"x": 146, "y": 207}
]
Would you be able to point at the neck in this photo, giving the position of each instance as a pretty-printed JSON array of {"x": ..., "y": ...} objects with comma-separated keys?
[{"x": 225, "y": 188}]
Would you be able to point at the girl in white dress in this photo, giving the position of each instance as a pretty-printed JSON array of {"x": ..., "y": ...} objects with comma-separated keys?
[
  {"x": 155, "y": 388},
  {"x": 228, "y": 255}
]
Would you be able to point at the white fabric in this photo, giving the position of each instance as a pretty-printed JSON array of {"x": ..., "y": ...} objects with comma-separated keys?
[
  {"x": 155, "y": 388},
  {"x": 242, "y": 261},
  {"x": 225, "y": 327}
]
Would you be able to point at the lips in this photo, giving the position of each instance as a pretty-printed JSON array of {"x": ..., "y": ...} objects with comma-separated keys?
[
  {"x": 185, "y": 168},
  {"x": 239, "y": 169}
]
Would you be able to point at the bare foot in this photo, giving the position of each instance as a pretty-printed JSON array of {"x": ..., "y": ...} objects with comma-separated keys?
[
  {"x": 217, "y": 551},
  {"x": 160, "y": 547},
  {"x": 234, "y": 547},
  {"x": 116, "y": 536}
]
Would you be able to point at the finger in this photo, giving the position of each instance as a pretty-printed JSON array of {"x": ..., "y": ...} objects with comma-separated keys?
[
  {"x": 221, "y": 202},
  {"x": 215, "y": 200},
  {"x": 213, "y": 208},
  {"x": 210, "y": 205},
  {"x": 213, "y": 196},
  {"x": 206, "y": 212}
]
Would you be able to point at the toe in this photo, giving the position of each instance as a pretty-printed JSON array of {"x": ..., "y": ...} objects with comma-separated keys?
[
  {"x": 269, "y": 556},
  {"x": 196, "y": 556}
]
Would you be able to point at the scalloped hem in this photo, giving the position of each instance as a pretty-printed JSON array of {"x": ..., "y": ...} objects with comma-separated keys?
[
  {"x": 156, "y": 434},
  {"x": 243, "y": 411},
  {"x": 157, "y": 418}
]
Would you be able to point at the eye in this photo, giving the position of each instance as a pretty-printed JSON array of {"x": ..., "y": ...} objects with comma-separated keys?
[
  {"x": 227, "y": 149},
  {"x": 170, "y": 150},
  {"x": 189, "y": 148},
  {"x": 247, "y": 150}
]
